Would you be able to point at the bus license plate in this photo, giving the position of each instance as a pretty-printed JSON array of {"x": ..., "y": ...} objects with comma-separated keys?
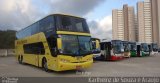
[{"x": 78, "y": 67}]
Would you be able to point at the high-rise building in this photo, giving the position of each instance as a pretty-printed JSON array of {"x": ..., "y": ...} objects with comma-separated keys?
[
  {"x": 136, "y": 28},
  {"x": 131, "y": 24},
  {"x": 126, "y": 28},
  {"x": 142, "y": 27},
  {"x": 118, "y": 24},
  {"x": 123, "y": 23},
  {"x": 140, "y": 21},
  {"x": 155, "y": 5},
  {"x": 144, "y": 21}
]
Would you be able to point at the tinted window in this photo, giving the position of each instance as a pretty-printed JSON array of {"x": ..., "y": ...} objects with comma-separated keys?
[
  {"x": 52, "y": 42},
  {"x": 35, "y": 28},
  {"x": 79, "y": 24},
  {"x": 69, "y": 23},
  {"x": 117, "y": 46},
  {"x": 84, "y": 44},
  {"x": 46, "y": 25},
  {"x": 34, "y": 48},
  {"x": 76, "y": 45}
]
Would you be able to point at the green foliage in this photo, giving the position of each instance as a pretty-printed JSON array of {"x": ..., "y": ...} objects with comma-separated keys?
[{"x": 7, "y": 39}]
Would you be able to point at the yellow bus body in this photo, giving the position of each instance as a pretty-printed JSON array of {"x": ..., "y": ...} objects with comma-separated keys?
[{"x": 59, "y": 63}]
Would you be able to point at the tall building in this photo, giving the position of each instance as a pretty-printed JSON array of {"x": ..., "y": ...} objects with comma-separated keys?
[
  {"x": 123, "y": 23},
  {"x": 140, "y": 21},
  {"x": 126, "y": 28},
  {"x": 144, "y": 21},
  {"x": 131, "y": 24},
  {"x": 118, "y": 24},
  {"x": 136, "y": 28},
  {"x": 155, "y": 5}
]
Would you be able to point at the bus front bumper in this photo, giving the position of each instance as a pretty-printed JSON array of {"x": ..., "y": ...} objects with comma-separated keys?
[
  {"x": 62, "y": 66},
  {"x": 127, "y": 54},
  {"x": 114, "y": 58}
]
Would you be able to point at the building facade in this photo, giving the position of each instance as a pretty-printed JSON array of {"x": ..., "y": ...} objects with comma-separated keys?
[
  {"x": 131, "y": 24},
  {"x": 123, "y": 24},
  {"x": 155, "y": 6},
  {"x": 118, "y": 24},
  {"x": 142, "y": 27},
  {"x": 144, "y": 21}
]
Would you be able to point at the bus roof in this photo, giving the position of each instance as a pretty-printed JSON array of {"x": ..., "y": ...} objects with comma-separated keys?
[{"x": 51, "y": 15}]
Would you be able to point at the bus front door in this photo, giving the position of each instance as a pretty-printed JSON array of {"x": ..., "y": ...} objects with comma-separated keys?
[{"x": 138, "y": 50}]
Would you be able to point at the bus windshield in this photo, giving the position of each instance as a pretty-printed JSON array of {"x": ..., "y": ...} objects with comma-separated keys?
[
  {"x": 95, "y": 50},
  {"x": 76, "y": 45},
  {"x": 126, "y": 46},
  {"x": 69, "y": 23},
  {"x": 155, "y": 47},
  {"x": 133, "y": 46},
  {"x": 145, "y": 47},
  {"x": 117, "y": 47}
]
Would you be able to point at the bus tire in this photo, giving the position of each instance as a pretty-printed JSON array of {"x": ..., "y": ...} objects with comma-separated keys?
[
  {"x": 20, "y": 59},
  {"x": 44, "y": 65}
]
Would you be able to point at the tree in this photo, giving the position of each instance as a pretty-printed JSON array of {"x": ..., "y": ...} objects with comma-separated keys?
[{"x": 7, "y": 39}]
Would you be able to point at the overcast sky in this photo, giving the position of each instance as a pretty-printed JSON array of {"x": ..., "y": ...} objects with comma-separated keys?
[{"x": 17, "y": 14}]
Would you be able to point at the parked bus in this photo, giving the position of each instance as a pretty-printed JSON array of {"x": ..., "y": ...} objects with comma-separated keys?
[
  {"x": 126, "y": 46},
  {"x": 57, "y": 42},
  {"x": 96, "y": 48},
  {"x": 133, "y": 49},
  {"x": 112, "y": 50},
  {"x": 153, "y": 47},
  {"x": 143, "y": 49},
  {"x": 158, "y": 50}
]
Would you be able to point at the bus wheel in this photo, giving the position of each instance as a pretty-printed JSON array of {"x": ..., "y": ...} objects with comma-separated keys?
[
  {"x": 20, "y": 59},
  {"x": 45, "y": 66}
]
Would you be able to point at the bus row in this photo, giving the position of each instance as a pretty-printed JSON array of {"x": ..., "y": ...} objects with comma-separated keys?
[{"x": 117, "y": 49}]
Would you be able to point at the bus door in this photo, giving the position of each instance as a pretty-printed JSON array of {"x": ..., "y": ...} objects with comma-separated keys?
[
  {"x": 102, "y": 46},
  {"x": 138, "y": 50},
  {"x": 108, "y": 50},
  {"x": 150, "y": 48},
  {"x": 40, "y": 52},
  {"x": 37, "y": 57}
]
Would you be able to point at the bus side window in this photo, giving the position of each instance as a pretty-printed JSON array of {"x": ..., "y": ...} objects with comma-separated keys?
[
  {"x": 35, "y": 28},
  {"x": 34, "y": 48},
  {"x": 47, "y": 26}
]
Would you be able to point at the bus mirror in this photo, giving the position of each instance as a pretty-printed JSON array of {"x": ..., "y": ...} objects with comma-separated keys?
[{"x": 59, "y": 43}]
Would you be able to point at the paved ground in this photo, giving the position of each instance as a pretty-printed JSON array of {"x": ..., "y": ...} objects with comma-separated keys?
[{"x": 138, "y": 66}]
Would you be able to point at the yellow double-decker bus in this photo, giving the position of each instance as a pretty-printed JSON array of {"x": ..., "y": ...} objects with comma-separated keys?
[{"x": 57, "y": 42}]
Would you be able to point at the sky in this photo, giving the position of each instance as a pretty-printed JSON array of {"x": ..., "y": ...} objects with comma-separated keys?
[{"x": 17, "y": 14}]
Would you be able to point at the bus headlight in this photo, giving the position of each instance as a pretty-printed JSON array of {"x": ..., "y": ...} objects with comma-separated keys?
[{"x": 60, "y": 50}]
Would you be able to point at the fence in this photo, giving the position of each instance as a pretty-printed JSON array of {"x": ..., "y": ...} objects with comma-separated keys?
[{"x": 7, "y": 52}]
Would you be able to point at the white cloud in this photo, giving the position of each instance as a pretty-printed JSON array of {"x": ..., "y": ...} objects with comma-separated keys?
[
  {"x": 106, "y": 23},
  {"x": 102, "y": 28},
  {"x": 74, "y": 7},
  {"x": 17, "y": 14}
]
